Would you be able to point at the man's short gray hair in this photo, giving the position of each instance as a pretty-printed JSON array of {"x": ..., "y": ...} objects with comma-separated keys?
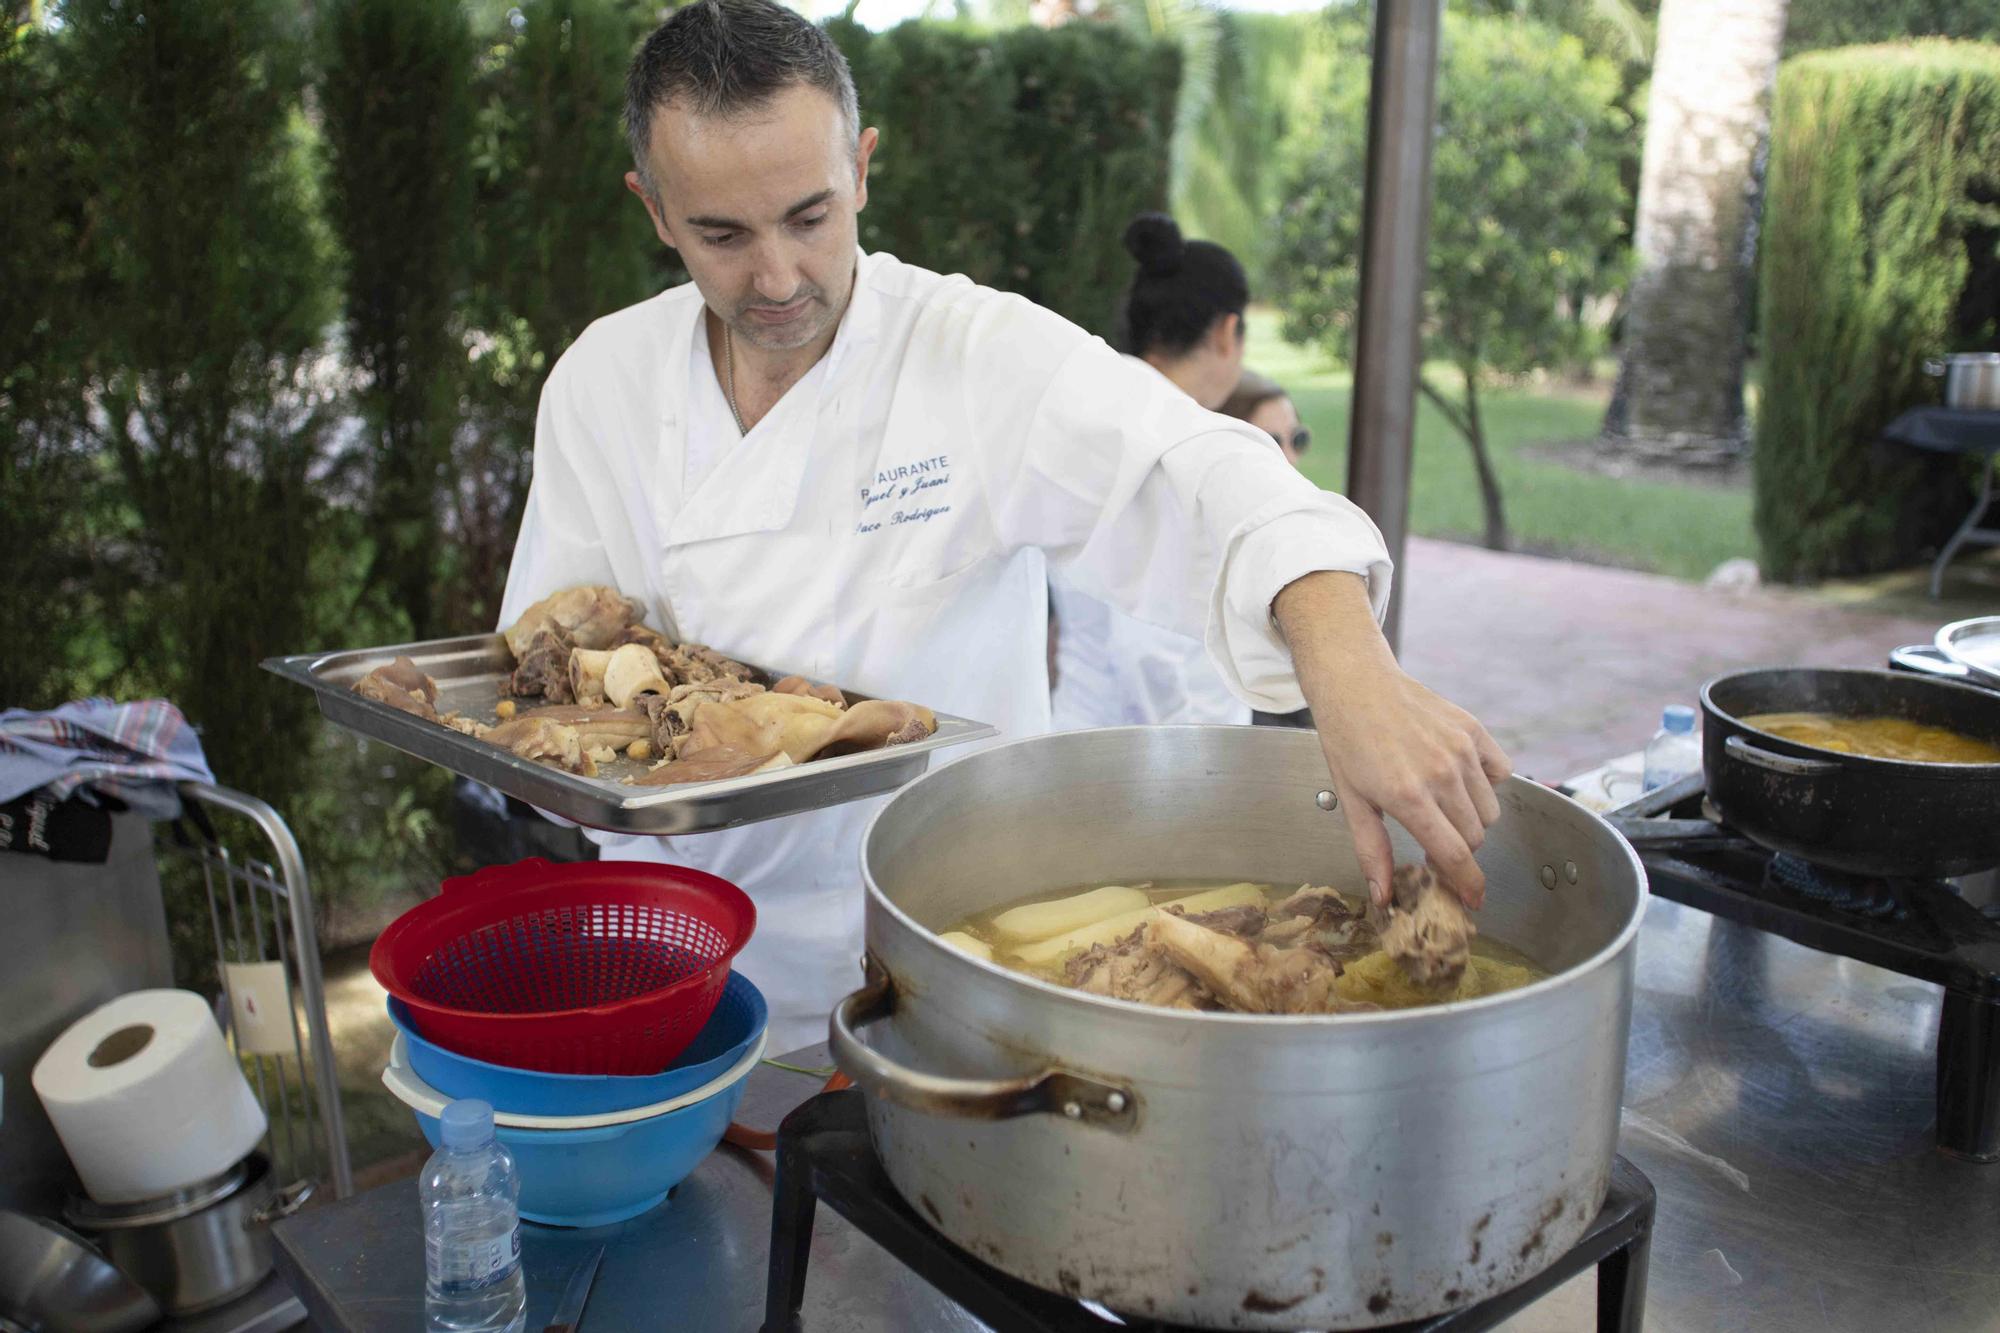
[{"x": 720, "y": 57}]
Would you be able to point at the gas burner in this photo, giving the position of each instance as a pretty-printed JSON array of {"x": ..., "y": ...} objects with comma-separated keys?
[
  {"x": 824, "y": 1154},
  {"x": 1864, "y": 895},
  {"x": 1922, "y": 928}
]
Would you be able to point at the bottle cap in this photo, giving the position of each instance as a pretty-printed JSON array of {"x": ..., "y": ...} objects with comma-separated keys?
[
  {"x": 1678, "y": 718},
  {"x": 466, "y": 1123}
]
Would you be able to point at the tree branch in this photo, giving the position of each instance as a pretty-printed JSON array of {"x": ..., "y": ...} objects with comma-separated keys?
[{"x": 1451, "y": 411}]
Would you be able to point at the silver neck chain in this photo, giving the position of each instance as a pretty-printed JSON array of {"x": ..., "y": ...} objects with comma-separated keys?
[{"x": 729, "y": 361}]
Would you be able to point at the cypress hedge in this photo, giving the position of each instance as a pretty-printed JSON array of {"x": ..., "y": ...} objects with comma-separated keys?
[
  {"x": 1015, "y": 157},
  {"x": 1879, "y": 220},
  {"x": 396, "y": 100}
]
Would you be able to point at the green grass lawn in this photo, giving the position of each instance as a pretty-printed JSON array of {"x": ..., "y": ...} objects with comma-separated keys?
[{"x": 1681, "y": 530}]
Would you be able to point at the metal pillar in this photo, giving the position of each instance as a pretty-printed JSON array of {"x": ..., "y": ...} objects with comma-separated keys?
[{"x": 1395, "y": 244}]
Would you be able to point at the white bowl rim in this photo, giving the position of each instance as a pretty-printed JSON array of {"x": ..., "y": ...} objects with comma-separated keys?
[{"x": 422, "y": 1098}]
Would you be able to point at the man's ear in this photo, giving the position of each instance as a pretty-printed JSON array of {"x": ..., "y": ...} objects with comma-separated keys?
[
  {"x": 863, "y": 150},
  {"x": 638, "y": 187}
]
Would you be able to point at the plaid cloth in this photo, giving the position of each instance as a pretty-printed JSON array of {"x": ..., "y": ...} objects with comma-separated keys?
[{"x": 135, "y": 752}]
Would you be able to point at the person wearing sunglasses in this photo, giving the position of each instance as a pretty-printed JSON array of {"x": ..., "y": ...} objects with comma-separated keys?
[{"x": 1264, "y": 404}]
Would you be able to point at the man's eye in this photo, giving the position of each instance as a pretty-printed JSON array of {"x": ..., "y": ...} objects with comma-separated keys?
[
  {"x": 720, "y": 238},
  {"x": 808, "y": 223}
]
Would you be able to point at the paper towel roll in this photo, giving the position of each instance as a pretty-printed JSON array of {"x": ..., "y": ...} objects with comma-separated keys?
[{"x": 146, "y": 1097}]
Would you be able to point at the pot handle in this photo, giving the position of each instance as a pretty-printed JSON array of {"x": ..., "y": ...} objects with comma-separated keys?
[
  {"x": 288, "y": 1201},
  {"x": 1051, "y": 1092},
  {"x": 1789, "y": 765}
]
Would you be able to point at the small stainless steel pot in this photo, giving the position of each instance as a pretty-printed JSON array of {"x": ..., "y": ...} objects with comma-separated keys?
[
  {"x": 1231, "y": 1170},
  {"x": 1971, "y": 379},
  {"x": 200, "y": 1247}
]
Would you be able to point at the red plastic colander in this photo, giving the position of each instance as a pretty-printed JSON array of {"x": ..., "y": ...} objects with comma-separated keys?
[{"x": 606, "y": 967}]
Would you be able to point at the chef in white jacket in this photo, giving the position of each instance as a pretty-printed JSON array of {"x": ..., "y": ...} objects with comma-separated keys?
[
  {"x": 838, "y": 464},
  {"x": 1181, "y": 319}
]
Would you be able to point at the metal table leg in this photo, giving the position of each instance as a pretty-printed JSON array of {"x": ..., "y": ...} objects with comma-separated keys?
[
  {"x": 1968, "y": 1077},
  {"x": 1969, "y": 531}
]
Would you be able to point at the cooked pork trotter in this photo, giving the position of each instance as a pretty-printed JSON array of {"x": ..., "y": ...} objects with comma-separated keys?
[
  {"x": 1133, "y": 968},
  {"x": 541, "y": 671},
  {"x": 1251, "y": 978},
  {"x": 876, "y": 723},
  {"x": 401, "y": 685},
  {"x": 591, "y": 616},
  {"x": 544, "y": 740},
  {"x": 800, "y": 685},
  {"x": 1425, "y": 928},
  {"x": 714, "y": 764}
]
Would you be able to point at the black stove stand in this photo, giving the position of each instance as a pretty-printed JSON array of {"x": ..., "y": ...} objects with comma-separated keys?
[
  {"x": 824, "y": 1154},
  {"x": 1918, "y": 928}
]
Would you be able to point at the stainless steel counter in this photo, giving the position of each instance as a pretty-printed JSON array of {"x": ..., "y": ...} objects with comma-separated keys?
[{"x": 1779, "y": 1098}]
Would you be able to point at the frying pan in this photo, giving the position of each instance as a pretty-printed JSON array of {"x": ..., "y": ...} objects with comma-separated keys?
[{"x": 1853, "y": 812}]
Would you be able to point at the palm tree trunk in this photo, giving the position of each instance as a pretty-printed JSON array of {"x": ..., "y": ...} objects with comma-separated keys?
[{"x": 1680, "y": 377}]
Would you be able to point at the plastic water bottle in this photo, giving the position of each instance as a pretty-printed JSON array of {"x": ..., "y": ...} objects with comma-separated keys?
[
  {"x": 1675, "y": 751},
  {"x": 472, "y": 1228}
]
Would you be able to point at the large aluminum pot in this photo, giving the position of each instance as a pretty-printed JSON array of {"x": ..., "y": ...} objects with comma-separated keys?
[
  {"x": 1227, "y": 1170},
  {"x": 1971, "y": 379}
]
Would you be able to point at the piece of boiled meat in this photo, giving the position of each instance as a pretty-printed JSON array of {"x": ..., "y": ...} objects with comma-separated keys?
[
  {"x": 1250, "y": 978},
  {"x": 591, "y": 616},
  {"x": 402, "y": 685},
  {"x": 541, "y": 669},
  {"x": 1425, "y": 927},
  {"x": 1133, "y": 968}
]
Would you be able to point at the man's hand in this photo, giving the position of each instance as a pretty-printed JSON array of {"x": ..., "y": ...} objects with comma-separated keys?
[{"x": 1393, "y": 747}]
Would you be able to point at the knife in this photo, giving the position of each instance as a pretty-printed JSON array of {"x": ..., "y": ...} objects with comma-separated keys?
[{"x": 569, "y": 1312}]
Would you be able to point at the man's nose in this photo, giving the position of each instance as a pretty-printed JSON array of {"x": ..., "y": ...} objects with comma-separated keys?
[{"x": 776, "y": 277}]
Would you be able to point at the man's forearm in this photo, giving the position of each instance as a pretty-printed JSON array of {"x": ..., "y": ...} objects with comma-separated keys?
[{"x": 1330, "y": 627}]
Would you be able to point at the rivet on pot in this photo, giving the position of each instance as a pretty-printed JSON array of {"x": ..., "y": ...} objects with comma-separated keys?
[
  {"x": 1548, "y": 877},
  {"x": 1570, "y": 871},
  {"x": 1074, "y": 1110},
  {"x": 1326, "y": 800},
  {"x": 1115, "y": 1103}
]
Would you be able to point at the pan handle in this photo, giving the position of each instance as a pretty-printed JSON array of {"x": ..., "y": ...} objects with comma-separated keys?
[
  {"x": 1790, "y": 765},
  {"x": 1050, "y": 1092}
]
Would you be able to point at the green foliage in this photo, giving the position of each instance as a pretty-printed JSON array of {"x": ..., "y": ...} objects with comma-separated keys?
[
  {"x": 1879, "y": 205},
  {"x": 210, "y": 301},
  {"x": 395, "y": 92},
  {"x": 1814, "y": 25},
  {"x": 557, "y": 242},
  {"x": 45, "y": 474},
  {"x": 1526, "y": 203},
  {"x": 1271, "y": 74},
  {"x": 1015, "y": 158},
  {"x": 1525, "y": 197}
]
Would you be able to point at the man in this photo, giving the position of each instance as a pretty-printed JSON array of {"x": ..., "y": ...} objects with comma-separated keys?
[{"x": 843, "y": 466}]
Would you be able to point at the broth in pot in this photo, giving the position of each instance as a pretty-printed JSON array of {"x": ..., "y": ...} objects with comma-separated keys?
[
  {"x": 1258, "y": 948},
  {"x": 1876, "y": 737}
]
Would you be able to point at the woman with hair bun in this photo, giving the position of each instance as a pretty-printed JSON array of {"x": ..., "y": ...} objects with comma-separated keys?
[{"x": 1182, "y": 316}]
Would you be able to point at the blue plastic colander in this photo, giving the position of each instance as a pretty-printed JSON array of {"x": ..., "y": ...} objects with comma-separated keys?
[{"x": 737, "y": 1022}]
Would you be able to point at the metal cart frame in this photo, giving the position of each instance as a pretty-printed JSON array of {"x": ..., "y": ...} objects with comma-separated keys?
[{"x": 242, "y": 934}]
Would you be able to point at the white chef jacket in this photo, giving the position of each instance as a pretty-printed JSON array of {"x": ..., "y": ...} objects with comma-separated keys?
[
  {"x": 894, "y": 540},
  {"x": 1116, "y": 670}
]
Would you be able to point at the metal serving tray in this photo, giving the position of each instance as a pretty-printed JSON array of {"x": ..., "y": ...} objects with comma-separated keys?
[{"x": 469, "y": 671}]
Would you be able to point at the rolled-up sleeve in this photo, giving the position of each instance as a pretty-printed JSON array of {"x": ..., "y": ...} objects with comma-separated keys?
[{"x": 1176, "y": 515}]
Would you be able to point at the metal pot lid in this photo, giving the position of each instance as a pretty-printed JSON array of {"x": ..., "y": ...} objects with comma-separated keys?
[
  {"x": 90, "y": 1215},
  {"x": 1975, "y": 645}
]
